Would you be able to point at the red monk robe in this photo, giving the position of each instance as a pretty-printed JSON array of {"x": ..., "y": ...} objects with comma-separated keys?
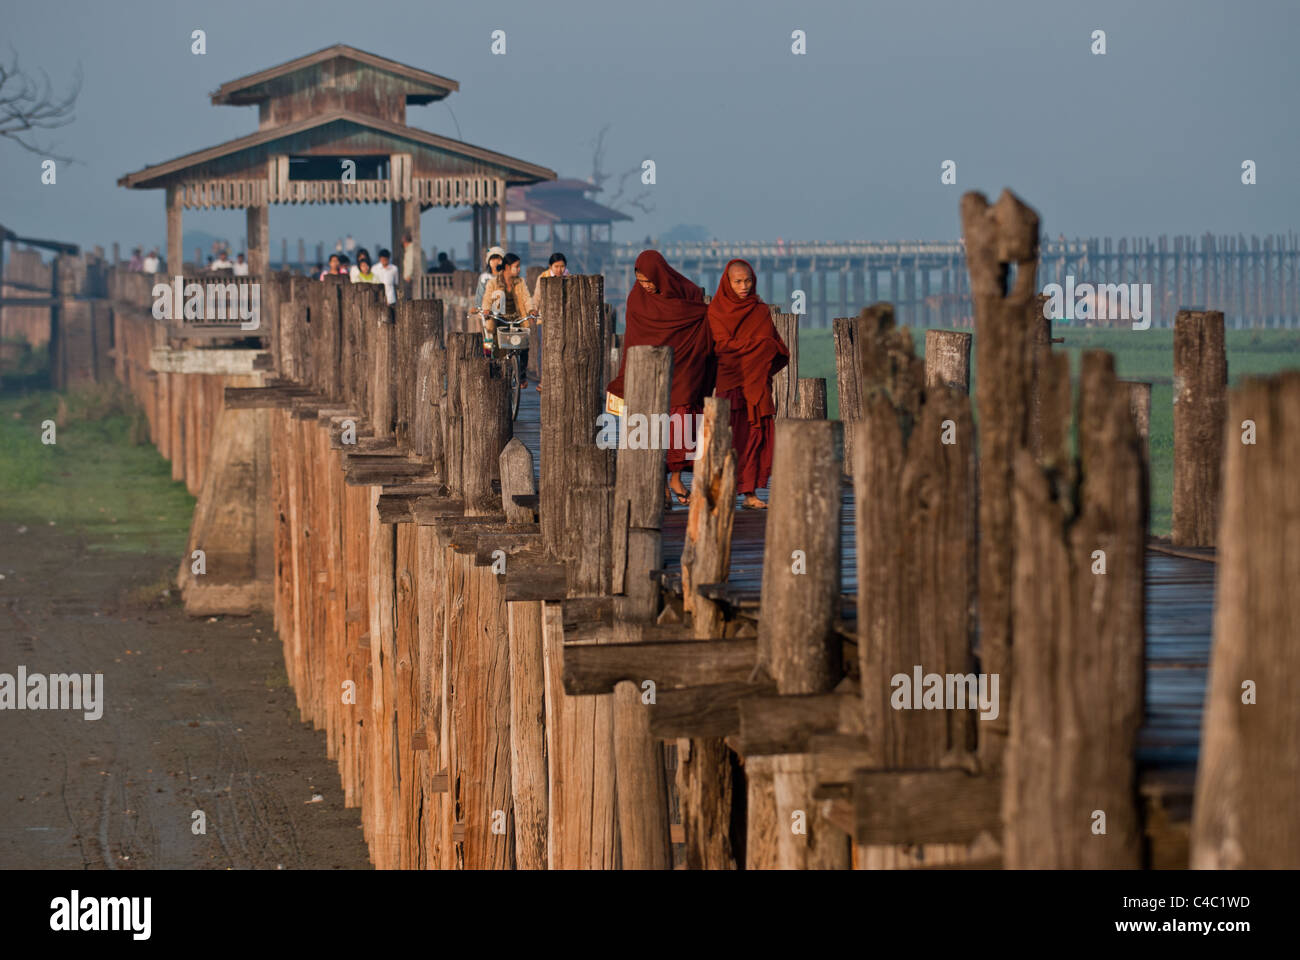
[
  {"x": 750, "y": 352},
  {"x": 673, "y": 316}
]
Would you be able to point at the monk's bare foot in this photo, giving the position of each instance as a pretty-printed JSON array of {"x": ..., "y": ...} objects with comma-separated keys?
[
  {"x": 678, "y": 488},
  {"x": 753, "y": 503}
]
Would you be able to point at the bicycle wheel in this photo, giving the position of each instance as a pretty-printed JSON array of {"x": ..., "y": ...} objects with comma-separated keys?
[{"x": 514, "y": 384}]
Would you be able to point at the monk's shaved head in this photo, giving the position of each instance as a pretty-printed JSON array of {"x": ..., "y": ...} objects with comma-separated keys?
[{"x": 741, "y": 278}]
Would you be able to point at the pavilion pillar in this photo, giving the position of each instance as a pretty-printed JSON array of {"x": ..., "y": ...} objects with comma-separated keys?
[
  {"x": 406, "y": 219},
  {"x": 475, "y": 257},
  {"x": 259, "y": 240},
  {"x": 501, "y": 219},
  {"x": 175, "y": 255}
]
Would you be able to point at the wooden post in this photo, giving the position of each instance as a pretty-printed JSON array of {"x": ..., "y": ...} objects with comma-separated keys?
[
  {"x": 485, "y": 400},
  {"x": 1139, "y": 402},
  {"x": 638, "y": 550},
  {"x": 797, "y": 644},
  {"x": 175, "y": 253},
  {"x": 1078, "y": 606},
  {"x": 995, "y": 237},
  {"x": 846, "y": 373},
  {"x": 528, "y": 779},
  {"x": 810, "y": 401},
  {"x": 947, "y": 359},
  {"x": 259, "y": 241},
  {"x": 1200, "y": 385},
  {"x": 1249, "y": 772},
  {"x": 575, "y": 503},
  {"x": 461, "y": 348},
  {"x": 416, "y": 323},
  {"x": 577, "y": 475},
  {"x": 1040, "y": 349},
  {"x": 786, "y": 381},
  {"x": 915, "y": 495}
]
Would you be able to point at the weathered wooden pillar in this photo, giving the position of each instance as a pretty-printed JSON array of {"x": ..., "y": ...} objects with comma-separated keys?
[
  {"x": 1040, "y": 350},
  {"x": 845, "y": 332},
  {"x": 947, "y": 359},
  {"x": 478, "y": 655},
  {"x": 1139, "y": 403},
  {"x": 797, "y": 643},
  {"x": 915, "y": 494},
  {"x": 575, "y": 502},
  {"x": 810, "y": 401},
  {"x": 383, "y": 388},
  {"x": 997, "y": 236},
  {"x": 784, "y": 384},
  {"x": 461, "y": 348},
  {"x": 485, "y": 402},
  {"x": 259, "y": 241},
  {"x": 577, "y": 475},
  {"x": 1069, "y": 787},
  {"x": 426, "y": 426},
  {"x": 637, "y": 550},
  {"x": 1200, "y": 401},
  {"x": 381, "y": 778},
  {"x": 704, "y": 780},
  {"x": 528, "y": 781},
  {"x": 1249, "y": 772},
  {"x": 175, "y": 251}
]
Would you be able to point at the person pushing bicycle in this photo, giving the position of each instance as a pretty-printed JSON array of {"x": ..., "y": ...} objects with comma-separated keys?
[{"x": 506, "y": 297}]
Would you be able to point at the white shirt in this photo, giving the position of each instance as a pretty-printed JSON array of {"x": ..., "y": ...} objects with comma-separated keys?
[
  {"x": 240, "y": 269},
  {"x": 387, "y": 275},
  {"x": 221, "y": 263},
  {"x": 150, "y": 264}
]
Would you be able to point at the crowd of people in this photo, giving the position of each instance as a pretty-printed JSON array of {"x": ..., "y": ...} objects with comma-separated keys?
[{"x": 728, "y": 347}]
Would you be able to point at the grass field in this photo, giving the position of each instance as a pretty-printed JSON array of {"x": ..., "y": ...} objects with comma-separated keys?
[
  {"x": 93, "y": 480},
  {"x": 1139, "y": 355}
]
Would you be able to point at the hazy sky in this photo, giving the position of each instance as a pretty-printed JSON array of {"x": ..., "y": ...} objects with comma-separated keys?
[{"x": 843, "y": 143}]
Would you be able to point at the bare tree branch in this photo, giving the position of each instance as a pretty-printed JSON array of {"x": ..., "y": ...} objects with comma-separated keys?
[
  {"x": 28, "y": 105},
  {"x": 619, "y": 200}
]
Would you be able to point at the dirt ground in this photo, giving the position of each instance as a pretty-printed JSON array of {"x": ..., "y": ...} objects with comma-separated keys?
[{"x": 198, "y": 715}]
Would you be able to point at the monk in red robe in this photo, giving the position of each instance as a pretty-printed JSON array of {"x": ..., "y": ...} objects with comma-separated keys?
[
  {"x": 749, "y": 353},
  {"x": 666, "y": 309}
]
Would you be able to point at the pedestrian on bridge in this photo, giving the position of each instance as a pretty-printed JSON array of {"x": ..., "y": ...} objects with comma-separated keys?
[
  {"x": 750, "y": 352},
  {"x": 666, "y": 309}
]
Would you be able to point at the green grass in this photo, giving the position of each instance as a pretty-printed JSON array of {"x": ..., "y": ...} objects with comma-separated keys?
[
  {"x": 1139, "y": 355},
  {"x": 93, "y": 480}
]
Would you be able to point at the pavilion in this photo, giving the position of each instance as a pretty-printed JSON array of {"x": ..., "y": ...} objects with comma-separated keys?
[
  {"x": 332, "y": 129},
  {"x": 560, "y": 215}
]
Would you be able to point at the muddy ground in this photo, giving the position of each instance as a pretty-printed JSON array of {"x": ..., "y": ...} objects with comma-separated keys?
[{"x": 198, "y": 715}]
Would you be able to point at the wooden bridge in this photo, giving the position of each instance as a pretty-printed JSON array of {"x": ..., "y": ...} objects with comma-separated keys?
[{"x": 522, "y": 661}]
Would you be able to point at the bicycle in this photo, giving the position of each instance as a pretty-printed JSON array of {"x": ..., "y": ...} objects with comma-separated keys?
[{"x": 511, "y": 340}]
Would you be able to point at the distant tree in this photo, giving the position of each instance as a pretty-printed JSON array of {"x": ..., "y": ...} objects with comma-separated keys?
[
  {"x": 28, "y": 105},
  {"x": 621, "y": 198},
  {"x": 686, "y": 233}
]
